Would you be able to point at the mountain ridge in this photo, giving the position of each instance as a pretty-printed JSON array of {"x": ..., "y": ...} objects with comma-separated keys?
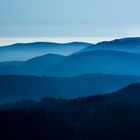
[
  {"x": 99, "y": 61},
  {"x": 25, "y": 51},
  {"x": 130, "y": 44},
  {"x": 15, "y": 87}
]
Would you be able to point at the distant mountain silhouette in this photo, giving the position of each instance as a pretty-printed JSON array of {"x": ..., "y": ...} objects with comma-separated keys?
[
  {"x": 37, "y": 65},
  {"x": 131, "y": 45},
  {"x": 31, "y": 87},
  {"x": 25, "y": 51},
  {"x": 34, "y": 66},
  {"x": 120, "y": 56},
  {"x": 101, "y": 61}
]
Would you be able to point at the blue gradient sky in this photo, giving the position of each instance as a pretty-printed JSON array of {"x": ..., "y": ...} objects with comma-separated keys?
[{"x": 69, "y": 18}]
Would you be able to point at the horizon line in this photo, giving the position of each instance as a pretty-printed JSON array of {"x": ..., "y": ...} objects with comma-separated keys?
[{"x": 5, "y": 41}]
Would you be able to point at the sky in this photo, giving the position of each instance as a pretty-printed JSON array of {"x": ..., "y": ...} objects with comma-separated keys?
[{"x": 63, "y": 20}]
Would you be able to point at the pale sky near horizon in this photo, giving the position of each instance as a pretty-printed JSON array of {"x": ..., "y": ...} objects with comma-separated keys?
[{"x": 71, "y": 19}]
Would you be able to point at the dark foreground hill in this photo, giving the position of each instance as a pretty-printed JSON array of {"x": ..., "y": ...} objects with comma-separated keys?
[
  {"x": 114, "y": 116},
  {"x": 31, "y": 87}
]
